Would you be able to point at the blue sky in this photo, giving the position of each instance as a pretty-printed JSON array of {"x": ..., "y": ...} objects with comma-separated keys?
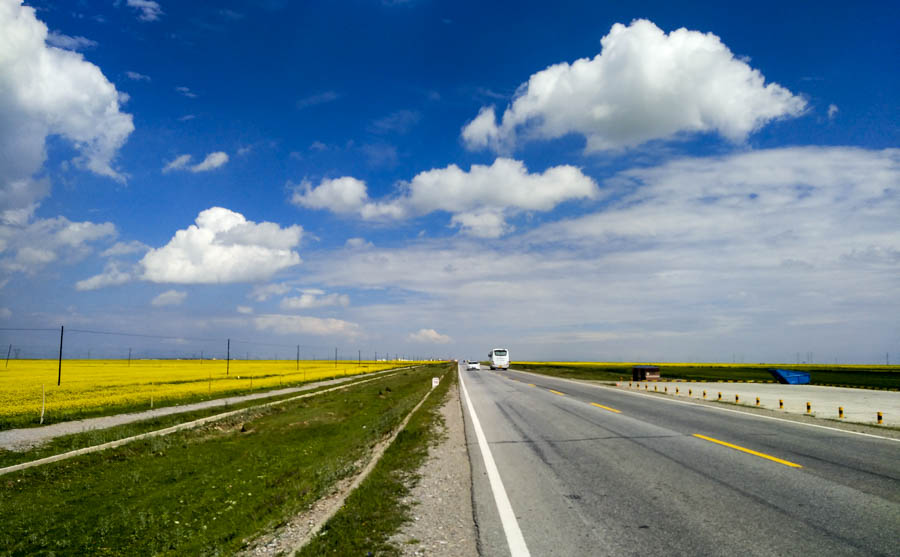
[{"x": 583, "y": 181}]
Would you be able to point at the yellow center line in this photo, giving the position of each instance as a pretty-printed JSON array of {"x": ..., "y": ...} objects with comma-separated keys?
[
  {"x": 531, "y": 384},
  {"x": 749, "y": 451},
  {"x": 556, "y": 392},
  {"x": 606, "y": 408}
]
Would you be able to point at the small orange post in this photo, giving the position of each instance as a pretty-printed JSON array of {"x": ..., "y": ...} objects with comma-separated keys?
[
  {"x": 690, "y": 392},
  {"x": 720, "y": 395},
  {"x": 781, "y": 404},
  {"x": 704, "y": 393},
  {"x": 737, "y": 399},
  {"x": 880, "y": 418},
  {"x": 757, "y": 401},
  {"x": 841, "y": 412},
  {"x": 808, "y": 408},
  {"x": 676, "y": 390}
]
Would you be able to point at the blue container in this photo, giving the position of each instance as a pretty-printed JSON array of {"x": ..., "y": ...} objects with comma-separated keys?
[{"x": 790, "y": 377}]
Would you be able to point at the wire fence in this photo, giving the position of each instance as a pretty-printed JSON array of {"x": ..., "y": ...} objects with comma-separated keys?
[{"x": 65, "y": 343}]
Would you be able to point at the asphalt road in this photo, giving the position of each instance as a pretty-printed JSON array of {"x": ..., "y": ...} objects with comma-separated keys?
[{"x": 589, "y": 470}]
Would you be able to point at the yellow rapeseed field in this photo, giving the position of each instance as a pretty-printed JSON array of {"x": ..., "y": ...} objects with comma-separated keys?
[{"x": 95, "y": 386}]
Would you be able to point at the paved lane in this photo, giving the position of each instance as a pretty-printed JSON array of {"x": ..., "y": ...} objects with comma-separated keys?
[{"x": 592, "y": 471}]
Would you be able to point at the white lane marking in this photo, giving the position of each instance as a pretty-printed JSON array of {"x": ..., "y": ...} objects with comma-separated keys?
[
  {"x": 695, "y": 405},
  {"x": 514, "y": 538}
]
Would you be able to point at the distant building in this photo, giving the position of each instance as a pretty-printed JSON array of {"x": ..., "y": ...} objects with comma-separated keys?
[{"x": 645, "y": 373}]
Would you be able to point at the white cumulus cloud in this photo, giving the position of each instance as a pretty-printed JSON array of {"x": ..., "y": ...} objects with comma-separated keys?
[
  {"x": 169, "y": 298},
  {"x": 29, "y": 248},
  {"x": 339, "y": 195},
  {"x": 479, "y": 199},
  {"x": 429, "y": 336},
  {"x": 112, "y": 275},
  {"x": 49, "y": 91},
  {"x": 223, "y": 247},
  {"x": 644, "y": 85}
]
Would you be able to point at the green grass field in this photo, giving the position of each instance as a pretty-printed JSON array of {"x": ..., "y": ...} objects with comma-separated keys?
[
  {"x": 206, "y": 490},
  {"x": 872, "y": 377}
]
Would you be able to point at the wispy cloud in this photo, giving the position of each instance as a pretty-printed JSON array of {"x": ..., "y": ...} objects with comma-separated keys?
[
  {"x": 182, "y": 162},
  {"x": 400, "y": 122},
  {"x": 149, "y": 10},
  {"x": 186, "y": 92},
  {"x": 429, "y": 336},
  {"x": 318, "y": 98},
  {"x": 135, "y": 76},
  {"x": 169, "y": 298},
  {"x": 70, "y": 43}
]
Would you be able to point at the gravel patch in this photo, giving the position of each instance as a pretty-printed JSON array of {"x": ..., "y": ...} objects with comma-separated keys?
[{"x": 443, "y": 523}]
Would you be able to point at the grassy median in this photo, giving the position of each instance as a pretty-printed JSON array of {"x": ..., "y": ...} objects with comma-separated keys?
[{"x": 204, "y": 491}]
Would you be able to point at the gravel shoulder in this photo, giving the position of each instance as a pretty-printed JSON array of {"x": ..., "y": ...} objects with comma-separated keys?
[{"x": 443, "y": 523}]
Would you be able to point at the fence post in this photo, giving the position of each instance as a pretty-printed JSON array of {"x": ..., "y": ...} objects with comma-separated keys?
[
  {"x": 7, "y": 355},
  {"x": 228, "y": 358},
  {"x": 59, "y": 376},
  {"x": 129, "y": 357},
  {"x": 298, "y": 357}
]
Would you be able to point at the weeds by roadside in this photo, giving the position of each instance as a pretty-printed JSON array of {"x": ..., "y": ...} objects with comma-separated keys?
[
  {"x": 376, "y": 510},
  {"x": 203, "y": 491}
]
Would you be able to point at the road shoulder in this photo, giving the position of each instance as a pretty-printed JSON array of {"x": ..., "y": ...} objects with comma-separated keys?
[{"x": 442, "y": 521}]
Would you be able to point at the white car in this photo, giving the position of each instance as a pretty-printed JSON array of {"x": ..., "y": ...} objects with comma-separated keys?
[{"x": 472, "y": 365}]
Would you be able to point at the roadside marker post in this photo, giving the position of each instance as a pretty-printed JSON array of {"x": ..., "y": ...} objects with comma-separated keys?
[
  {"x": 781, "y": 404},
  {"x": 720, "y": 395},
  {"x": 841, "y": 412},
  {"x": 880, "y": 417},
  {"x": 757, "y": 401},
  {"x": 808, "y": 408},
  {"x": 737, "y": 399}
]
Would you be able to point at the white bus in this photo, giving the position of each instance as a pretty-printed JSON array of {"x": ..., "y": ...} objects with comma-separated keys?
[{"x": 499, "y": 358}]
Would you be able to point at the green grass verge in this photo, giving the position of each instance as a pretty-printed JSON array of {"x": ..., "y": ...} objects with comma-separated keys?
[
  {"x": 91, "y": 438},
  {"x": 376, "y": 510},
  {"x": 203, "y": 491},
  {"x": 819, "y": 375}
]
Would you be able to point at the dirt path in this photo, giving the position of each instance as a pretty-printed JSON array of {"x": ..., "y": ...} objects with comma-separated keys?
[{"x": 27, "y": 438}]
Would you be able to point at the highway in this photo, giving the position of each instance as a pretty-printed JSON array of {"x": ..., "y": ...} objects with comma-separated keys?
[{"x": 590, "y": 470}]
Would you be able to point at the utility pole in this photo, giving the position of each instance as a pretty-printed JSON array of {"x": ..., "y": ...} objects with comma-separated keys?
[
  {"x": 129, "y": 357},
  {"x": 335, "y": 356},
  {"x": 228, "y": 357},
  {"x": 59, "y": 376},
  {"x": 298, "y": 357}
]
